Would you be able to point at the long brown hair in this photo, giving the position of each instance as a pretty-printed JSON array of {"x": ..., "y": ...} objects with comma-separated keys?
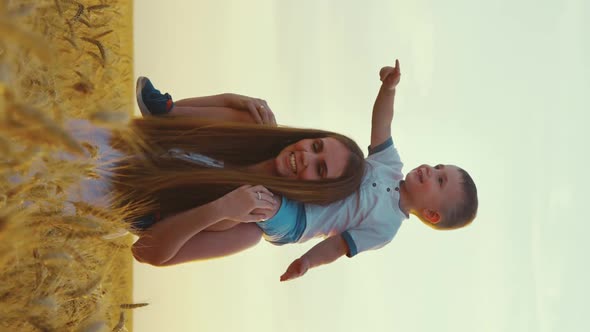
[{"x": 172, "y": 185}]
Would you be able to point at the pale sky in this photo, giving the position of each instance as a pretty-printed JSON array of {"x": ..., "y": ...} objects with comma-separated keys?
[{"x": 496, "y": 87}]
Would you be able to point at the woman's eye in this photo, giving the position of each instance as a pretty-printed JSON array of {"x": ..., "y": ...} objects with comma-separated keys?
[{"x": 315, "y": 146}]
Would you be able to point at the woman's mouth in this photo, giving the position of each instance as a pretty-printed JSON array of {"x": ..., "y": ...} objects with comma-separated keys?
[{"x": 292, "y": 163}]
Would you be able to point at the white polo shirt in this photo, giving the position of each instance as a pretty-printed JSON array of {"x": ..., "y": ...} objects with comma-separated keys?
[{"x": 370, "y": 217}]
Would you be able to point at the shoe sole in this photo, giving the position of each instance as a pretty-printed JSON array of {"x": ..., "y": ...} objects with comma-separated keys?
[{"x": 141, "y": 80}]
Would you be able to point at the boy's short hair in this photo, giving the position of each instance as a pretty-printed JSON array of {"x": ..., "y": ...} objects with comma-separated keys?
[{"x": 462, "y": 213}]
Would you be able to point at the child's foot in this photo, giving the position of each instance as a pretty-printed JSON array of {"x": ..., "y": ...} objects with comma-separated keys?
[{"x": 150, "y": 100}]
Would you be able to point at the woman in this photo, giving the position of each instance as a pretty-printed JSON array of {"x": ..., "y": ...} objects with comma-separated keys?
[{"x": 191, "y": 183}]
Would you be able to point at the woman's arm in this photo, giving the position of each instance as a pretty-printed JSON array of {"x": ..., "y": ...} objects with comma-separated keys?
[
  {"x": 162, "y": 241},
  {"x": 220, "y": 241},
  {"x": 322, "y": 253},
  {"x": 208, "y": 245}
]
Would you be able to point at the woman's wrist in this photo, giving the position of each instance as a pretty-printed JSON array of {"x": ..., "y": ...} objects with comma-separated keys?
[
  {"x": 219, "y": 208},
  {"x": 212, "y": 212}
]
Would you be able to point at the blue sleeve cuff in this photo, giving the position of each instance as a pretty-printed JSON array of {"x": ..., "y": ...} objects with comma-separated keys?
[
  {"x": 387, "y": 143},
  {"x": 352, "y": 250},
  {"x": 287, "y": 225},
  {"x": 283, "y": 212}
]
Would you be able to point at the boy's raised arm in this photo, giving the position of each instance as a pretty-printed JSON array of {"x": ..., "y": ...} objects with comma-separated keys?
[
  {"x": 322, "y": 253},
  {"x": 383, "y": 107}
]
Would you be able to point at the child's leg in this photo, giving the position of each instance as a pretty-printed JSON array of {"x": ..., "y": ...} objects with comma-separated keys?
[
  {"x": 222, "y": 114},
  {"x": 152, "y": 102},
  {"x": 206, "y": 245}
]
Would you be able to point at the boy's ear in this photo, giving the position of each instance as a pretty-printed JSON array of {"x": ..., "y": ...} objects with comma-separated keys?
[{"x": 431, "y": 216}]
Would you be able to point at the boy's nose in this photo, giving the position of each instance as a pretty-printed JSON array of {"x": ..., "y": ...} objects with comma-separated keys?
[{"x": 426, "y": 170}]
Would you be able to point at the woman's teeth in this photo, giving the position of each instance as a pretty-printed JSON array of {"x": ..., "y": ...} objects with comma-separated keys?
[{"x": 292, "y": 162}]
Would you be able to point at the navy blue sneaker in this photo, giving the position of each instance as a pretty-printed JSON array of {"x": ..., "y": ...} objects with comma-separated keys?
[{"x": 150, "y": 100}]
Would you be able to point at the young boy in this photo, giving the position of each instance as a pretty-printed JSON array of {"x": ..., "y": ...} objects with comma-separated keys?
[{"x": 443, "y": 197}]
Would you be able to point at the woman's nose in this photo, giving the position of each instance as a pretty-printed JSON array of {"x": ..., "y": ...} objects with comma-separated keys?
[{"x": 306, "y": 158}]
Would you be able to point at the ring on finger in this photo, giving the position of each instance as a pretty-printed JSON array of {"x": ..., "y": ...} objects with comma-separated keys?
[{"x": 259, "y": 197}]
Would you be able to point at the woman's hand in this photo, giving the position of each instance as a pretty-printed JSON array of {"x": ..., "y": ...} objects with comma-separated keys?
[
  {"x": 248, "y": 204},
  {"x": 390, "y": 76},
  {"x": 296, "y": 269},
  {"x": 258, "y": 108}
]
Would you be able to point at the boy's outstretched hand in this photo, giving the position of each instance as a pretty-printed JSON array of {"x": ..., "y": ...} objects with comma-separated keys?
[
  {"x": 296, "y": 269},
  {"x": 390, "y": 76}
]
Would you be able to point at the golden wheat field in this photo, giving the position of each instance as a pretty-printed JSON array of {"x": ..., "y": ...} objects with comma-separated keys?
[{"x": 61, "y": 59}]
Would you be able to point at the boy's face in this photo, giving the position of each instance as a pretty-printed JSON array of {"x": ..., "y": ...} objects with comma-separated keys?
[{"x": 433, "y": 189}]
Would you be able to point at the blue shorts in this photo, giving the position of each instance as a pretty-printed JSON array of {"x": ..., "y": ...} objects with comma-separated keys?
[
  {"x": 146, "y": 221},
  {"x": 287, "y": 225}
]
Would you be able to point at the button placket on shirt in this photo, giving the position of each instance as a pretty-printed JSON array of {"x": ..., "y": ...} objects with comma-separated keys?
[{"x": 388, "y": 189}]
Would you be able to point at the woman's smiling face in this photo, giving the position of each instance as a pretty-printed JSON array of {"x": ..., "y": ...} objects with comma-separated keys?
[{"x": 313, "y": 159}]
